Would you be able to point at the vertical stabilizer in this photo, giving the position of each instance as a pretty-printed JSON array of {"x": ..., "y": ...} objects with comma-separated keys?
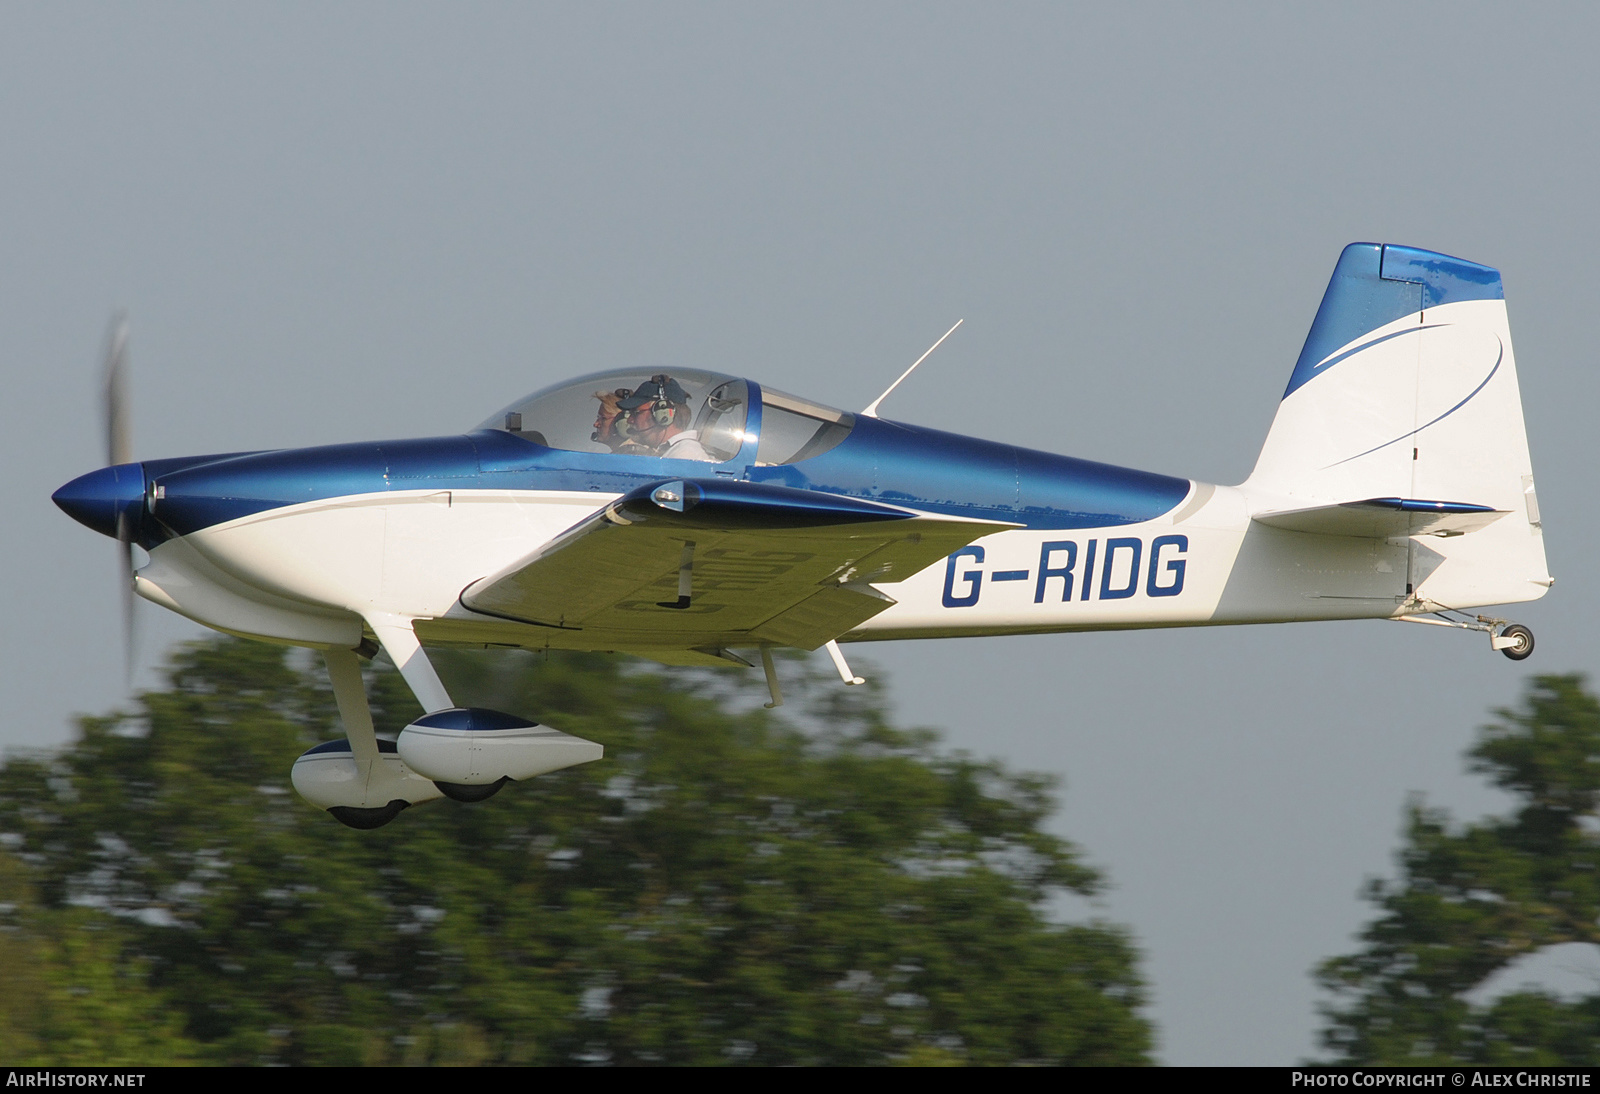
[{"x": 1407, "y": 389}]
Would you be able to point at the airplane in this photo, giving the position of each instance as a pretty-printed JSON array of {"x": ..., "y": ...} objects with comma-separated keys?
[{"x": 682, "y": 515}]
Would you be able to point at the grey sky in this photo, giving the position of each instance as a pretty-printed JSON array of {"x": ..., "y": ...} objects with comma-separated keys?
[{"x": 360, "y": 221}]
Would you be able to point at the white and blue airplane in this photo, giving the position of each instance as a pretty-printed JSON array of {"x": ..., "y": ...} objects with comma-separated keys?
[{"x": 681, "y": 515}]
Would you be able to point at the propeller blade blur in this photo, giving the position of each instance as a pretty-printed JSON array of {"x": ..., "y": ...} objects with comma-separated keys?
[
  {"x": 119, "y": 438},
  {"x": 125, "y": 549},
  {"x": 119, "y": 450}
]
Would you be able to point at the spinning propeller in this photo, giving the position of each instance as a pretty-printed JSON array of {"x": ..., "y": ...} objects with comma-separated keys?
[{"x": 119, "y": 451}]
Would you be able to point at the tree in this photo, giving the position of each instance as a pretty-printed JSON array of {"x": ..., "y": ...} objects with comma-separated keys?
[
  {"x": 1472, "y": 899},
  {"x": 726, "y": 886},
  {"x": 70, "y": 994}
]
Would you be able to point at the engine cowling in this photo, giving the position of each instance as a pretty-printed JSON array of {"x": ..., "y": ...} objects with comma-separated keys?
[
  {"x": 470, "y": 752},
  {"x": 329, "y": 777}
]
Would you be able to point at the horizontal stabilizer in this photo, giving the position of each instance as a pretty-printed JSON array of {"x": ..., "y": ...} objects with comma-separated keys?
[{"x": 1383, "y": 518}]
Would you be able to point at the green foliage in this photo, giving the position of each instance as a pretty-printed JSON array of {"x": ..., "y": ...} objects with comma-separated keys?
[
  {"x": 723, "y": 887},
  {"x": 1473, "y": 899},
  {"x": 70, "y": 992}
]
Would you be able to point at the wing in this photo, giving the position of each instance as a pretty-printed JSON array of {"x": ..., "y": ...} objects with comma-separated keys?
[{"x": 764, "y": 564}]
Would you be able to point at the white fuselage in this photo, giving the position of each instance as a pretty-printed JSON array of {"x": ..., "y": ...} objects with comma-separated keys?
[{"x": 311, "y": 574}]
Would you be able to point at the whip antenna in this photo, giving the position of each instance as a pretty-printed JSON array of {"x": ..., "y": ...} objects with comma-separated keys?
[{"x": 872, "y": 407}]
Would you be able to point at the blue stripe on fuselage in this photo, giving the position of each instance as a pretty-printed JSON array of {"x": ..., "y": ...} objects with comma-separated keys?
[
  {"x": 884, "y": 461},
  {"x": 939, "y": 472}
]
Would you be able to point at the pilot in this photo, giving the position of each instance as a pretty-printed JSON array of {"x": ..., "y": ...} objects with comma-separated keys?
[
  {"x": 610, "y": 424},
  {"x": 658, "y": 416}
]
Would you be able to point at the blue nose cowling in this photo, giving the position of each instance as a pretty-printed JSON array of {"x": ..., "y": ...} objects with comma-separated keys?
[{"x": 97, "y": 499}]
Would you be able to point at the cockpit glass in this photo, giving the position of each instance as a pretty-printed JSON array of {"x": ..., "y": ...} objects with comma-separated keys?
[
  {"x": 795, "y": 429},
  {"x": 677, "y": 413}
]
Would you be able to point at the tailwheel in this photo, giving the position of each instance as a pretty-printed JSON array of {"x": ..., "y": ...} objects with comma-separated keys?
[{"x": 1520, "y": 642}]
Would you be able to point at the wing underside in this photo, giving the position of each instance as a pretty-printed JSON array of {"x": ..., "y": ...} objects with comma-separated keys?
[{"x": 765, "y": 565}]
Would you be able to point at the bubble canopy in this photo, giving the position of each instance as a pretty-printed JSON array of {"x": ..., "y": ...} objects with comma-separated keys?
[{"x": 679, "y": 413}]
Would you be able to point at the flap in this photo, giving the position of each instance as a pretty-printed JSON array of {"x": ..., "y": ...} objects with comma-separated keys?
[
  {"x": 767, "y": 564},
  {"x": 1383, "y": 518}
]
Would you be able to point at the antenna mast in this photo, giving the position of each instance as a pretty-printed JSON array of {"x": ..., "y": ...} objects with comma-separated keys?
[{"x": 872, "y": 407}]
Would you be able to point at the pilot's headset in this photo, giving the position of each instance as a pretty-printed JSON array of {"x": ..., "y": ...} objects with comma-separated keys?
[
  {"x": 662, "y": 410},
  {"x": 619, "y": 423},
  {"x": 662, "y": 394}
]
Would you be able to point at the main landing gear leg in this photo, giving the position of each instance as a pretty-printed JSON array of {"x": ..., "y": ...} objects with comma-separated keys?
[
  {"x": 400, "y": 643},
  {"x": 350, "y": 692},
  {"x": 381, "y": 789}
]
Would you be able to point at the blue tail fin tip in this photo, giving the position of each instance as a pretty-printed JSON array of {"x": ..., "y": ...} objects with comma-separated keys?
[{"x": 1376, "y": 283}]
